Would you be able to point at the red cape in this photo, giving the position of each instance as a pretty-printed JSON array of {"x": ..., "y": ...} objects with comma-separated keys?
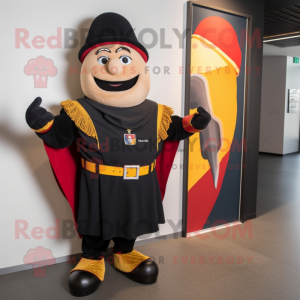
[{"x": 65, "y": 164}]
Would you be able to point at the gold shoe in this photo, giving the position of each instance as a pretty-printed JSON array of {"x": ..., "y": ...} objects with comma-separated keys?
[
  {"x": 86, "y": 277},
  {"x": 136, "y": 266}
]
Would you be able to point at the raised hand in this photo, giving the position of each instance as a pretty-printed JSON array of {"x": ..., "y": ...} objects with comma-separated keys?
[
  {"x": 36, "y": 116},
  {"x": 201, "y": 119}
]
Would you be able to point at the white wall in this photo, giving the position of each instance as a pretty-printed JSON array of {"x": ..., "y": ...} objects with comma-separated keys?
[
  {"x": 28, "y": 189},
  {"x": 272, "y": 105},
  {"x": 291, "y": 120},
  {"x": 279, "y": 130}
]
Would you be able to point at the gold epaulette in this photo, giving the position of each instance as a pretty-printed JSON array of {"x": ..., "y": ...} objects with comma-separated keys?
[
  {"x": 80, "y": 117},
  {"x": 164, "y": 120},
  {"x": 45, "y": 128}
]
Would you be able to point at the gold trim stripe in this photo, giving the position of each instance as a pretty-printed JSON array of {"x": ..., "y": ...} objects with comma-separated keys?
[{"x": 46, "y": 127}]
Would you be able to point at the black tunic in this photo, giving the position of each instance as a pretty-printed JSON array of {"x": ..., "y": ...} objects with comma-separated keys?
[{"x": 110, "y": 206}]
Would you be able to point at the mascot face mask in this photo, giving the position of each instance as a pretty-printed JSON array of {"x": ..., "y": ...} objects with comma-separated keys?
[{"x": 115, "y": 75}]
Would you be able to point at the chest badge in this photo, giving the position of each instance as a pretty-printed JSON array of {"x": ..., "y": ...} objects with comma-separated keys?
[{"x": 129, "y": 138}]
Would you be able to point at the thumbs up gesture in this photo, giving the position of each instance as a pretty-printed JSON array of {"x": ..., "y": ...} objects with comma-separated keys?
[{"x": 36, "y": 116}]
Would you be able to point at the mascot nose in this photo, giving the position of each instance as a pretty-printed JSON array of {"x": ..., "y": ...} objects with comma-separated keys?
[{"x": 115, "y": 66}]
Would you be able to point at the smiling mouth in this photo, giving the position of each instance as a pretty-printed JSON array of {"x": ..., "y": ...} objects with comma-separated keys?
[{"x": 116, "y": 86}]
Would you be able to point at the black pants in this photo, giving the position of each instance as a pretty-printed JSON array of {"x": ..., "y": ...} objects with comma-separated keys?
[{"x": 93, "y": 246}]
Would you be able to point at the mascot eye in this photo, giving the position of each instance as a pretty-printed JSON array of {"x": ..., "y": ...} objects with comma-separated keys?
[
  {"x": 102, "y": 60},
  {"x": 125, "y": 60}
]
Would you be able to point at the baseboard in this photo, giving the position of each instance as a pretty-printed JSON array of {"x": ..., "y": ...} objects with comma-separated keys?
[
  {"x": 208, "y": 230},
  {"x": 297, "y": 152},
  {"x": 25, "y": 267},
  {"x": 268, "y": 153},
  {"x": 77, "y": 256},
  {"x": 277, "y": 154},
  {"x": 174, "y": 235},
  {"x": 250, "y": 217}
]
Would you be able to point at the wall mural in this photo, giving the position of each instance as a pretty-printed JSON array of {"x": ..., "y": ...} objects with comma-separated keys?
[{"x": 217, "y": 83}]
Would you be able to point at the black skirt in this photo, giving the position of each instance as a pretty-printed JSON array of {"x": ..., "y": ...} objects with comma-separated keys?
[{"x": 111, "y": 206}]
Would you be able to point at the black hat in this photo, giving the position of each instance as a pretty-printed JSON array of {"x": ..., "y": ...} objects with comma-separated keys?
[{"x": 111, "y": 28}]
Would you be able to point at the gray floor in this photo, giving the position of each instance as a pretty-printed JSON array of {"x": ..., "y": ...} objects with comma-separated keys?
[{"x": 274, "y": 253}]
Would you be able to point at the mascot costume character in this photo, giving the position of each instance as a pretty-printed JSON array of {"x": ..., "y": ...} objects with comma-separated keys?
[{"x": 111, "y": 153}]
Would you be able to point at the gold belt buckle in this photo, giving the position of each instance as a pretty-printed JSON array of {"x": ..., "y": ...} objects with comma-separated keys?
[{"x": 137, "y": 167}]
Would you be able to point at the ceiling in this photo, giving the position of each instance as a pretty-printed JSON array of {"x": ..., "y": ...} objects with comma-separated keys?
[
  {"x": 277, "y": 4},
  {"x": 281, "y": 23}
]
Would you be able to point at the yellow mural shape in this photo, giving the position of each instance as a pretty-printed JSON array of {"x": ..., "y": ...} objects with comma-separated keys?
[{"x": 219, "y": 74}]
